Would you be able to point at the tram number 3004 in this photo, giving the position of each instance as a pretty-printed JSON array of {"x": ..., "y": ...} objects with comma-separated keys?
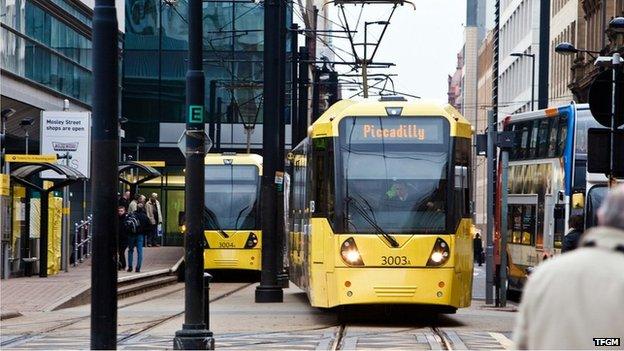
[{"x": 394, "y": 261}]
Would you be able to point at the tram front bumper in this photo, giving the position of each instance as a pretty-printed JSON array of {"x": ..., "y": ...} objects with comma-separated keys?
[
  {"x": 233, "y": 259},
  {"x": 431, "y": 286}
]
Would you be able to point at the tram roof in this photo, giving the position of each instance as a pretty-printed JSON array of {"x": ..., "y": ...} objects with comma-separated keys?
[
  {"x": 235, "y": 159},
  {"x": 327, "y": 123}
]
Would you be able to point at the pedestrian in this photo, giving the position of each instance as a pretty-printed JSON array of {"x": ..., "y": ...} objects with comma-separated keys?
[
  {"x": 138, "y": 198},
  {"x": 152, "y": 207},
  {"x": 571, "y": 239},
  {"x": 124, "y": 200},
  {"x": 572, "y": 299},
  {"x": 122, "y": 242},
  {"x": 477, "y": 246},
  {"x": 136, "y": 237}
]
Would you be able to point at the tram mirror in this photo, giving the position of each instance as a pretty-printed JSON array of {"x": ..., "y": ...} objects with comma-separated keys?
[{"x": 578, "y": 200}]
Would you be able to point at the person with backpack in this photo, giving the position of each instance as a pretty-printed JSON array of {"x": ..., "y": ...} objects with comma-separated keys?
[
  {"x": 136, "y": 235},
  {"x": 122, "y": 243}
]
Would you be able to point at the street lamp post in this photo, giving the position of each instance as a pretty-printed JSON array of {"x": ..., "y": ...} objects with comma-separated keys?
[
  {"x": 532, "y": 56},
  {"x": 25, "y": 124},
  {"x": 194, "y": 334},
  {"x": 105, "y": 136}
]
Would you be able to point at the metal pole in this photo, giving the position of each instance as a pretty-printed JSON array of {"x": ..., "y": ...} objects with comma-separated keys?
[
  {"x": 194, "y": 335},
  {"x": 218, "y": 131},
  {"x": 268, "y": 290},
  {"x": 489, "y": 258},
  {"x": 65, "y": 224},
  {"x": 364, "y": 63},
  {"x": 282, "y": 275},
  {"x": 302, "y": 114},
  {"x": 105, "y": 137},
  {"x": 503, "y": 226},
  {"x": 294, "y": 110},
  {"x": 211, "y": 109},
  {"x": 43, "y": 234},
  {"x": 616, "y": 65},
  {"x": 533, "y": 82},
  {"x": 26, "y": 141}
]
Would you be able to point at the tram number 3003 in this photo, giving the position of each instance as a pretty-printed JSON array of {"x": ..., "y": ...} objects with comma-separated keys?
[{"x": 394, "y": 261}]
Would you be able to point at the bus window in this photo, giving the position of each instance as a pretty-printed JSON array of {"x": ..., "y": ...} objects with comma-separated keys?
[
  {"x": 523, "y": 130},
  {"x": 562, "y": 134},
  {"x": 533, "y": 144},
  {"x": 521, "y": 224},
  {"x": 543, "y": 137},
  {"x": 552, "y": 142}
]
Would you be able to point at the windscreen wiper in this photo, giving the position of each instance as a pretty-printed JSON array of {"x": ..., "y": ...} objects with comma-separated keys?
[
  {"x": 239, "y": 214},
  {"x": 372, "y": 221},
  {"x": 212, "y": 218}
]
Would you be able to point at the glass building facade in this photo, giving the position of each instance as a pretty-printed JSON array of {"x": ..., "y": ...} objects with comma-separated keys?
[
  {"x": 39, "y": 42},
  {"x": 155, "y": 53}
]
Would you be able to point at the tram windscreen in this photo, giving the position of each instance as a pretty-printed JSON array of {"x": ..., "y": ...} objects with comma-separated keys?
[
  {"x": 231, "y": 197},
  {"x": 395, "y": 174}
]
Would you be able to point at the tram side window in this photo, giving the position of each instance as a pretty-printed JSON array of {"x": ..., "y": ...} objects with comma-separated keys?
[
  {"x": 533, "y": 143},
  {"x": 322, "y": 158}
]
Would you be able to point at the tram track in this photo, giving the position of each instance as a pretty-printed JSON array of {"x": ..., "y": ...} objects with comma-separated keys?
[
  {"x": 440, "y": 337},
  {"x": 25, "y": 338}
]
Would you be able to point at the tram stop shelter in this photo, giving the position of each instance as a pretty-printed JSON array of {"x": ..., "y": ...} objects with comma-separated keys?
[
  {"x": 27, "y": 174},
  {"x": 135, "y": 173}
]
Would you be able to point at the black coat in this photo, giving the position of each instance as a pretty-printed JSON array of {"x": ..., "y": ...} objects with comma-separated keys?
[
  {"x": 571, "y": 240},
  {"x": 146, "y": 225},
  {"x": 477, "y": 246},
  {"x": 123, "y": 231}
]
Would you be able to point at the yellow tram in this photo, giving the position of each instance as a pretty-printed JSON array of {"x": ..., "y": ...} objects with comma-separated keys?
[
  {"x": 232, "y": 213},
  {"x": 379, "y": 207}
]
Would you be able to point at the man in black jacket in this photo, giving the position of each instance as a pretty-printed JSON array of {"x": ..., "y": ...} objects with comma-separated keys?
[
  {"x": 571, "y": 240},
  {"x": 136, "y": 238}
]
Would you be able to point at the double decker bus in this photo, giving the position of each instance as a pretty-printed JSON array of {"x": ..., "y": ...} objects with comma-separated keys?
[
  {"x": 380, "y": 206},
  {"x": 547, "y": 184}
]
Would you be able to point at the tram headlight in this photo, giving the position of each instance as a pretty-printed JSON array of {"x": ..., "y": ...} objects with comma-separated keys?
[
  {"x": 440, "y": 253},
  {"x": 350, "y": 254},
  {"x": 252, "y": 241}
]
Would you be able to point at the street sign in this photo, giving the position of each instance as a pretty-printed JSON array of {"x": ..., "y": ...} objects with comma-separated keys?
[
  {"x": 599, "y": 151},
  {"x": 600, "y": 99},
  {"x": 153, "y": 163},
  {"x": 51, "y": 158},
  {"x": 194, "y": 134},
  {"x": 196, "y": 114},
  {"x": 67, "y": 133}
]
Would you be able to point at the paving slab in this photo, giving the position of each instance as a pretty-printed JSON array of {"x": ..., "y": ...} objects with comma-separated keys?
[{"x": 34, "y": 294}]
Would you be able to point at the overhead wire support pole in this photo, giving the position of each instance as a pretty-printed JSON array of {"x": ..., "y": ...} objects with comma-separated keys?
[
  {"x": 268, "y": 290},
  {"x": 105, "y": 140},
  {"x": 194, "y": 334}
]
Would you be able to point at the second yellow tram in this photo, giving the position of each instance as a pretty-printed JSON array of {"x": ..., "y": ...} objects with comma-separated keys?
[
  {"x": 379, "y": 207},
  {"x": 232, "y": 211}
]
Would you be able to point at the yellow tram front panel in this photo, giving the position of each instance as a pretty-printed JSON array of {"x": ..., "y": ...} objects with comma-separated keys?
[
  {"x": 232, "y": 194},
  {"x": 230, "y": 253},
  {"x": 389, "y": 275}
]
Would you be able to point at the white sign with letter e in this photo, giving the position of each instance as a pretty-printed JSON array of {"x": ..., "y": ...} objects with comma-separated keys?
[{"x": 67, "y": 133}]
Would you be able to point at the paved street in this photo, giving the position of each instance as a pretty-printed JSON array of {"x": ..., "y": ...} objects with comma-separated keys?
[{"x": 148, "y": 321}]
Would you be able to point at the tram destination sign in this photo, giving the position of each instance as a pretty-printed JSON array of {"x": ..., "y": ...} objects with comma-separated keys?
[{"x": 408, "y": 130}]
